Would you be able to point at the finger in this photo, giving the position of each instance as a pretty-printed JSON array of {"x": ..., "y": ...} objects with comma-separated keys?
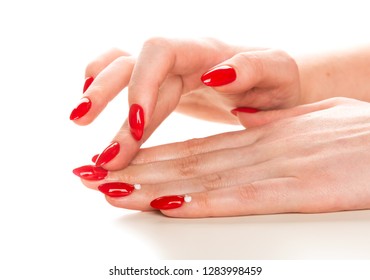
[
  {"x": 259, "y": 118},
  {"x": 247, "y": 70},
  {"x": 202, "y": 164},
  {"x": 102, "y": 61},
  {"x": 150, "y": 190},
  {"x": 158, "y": 59},
  {"x": 107, "y": 84},
  {"x": 123, "y": 148},
  {"x": 195, "y": 146},
  {"x": 280, "y": 195},
  {"x": 99, "y": 63}
]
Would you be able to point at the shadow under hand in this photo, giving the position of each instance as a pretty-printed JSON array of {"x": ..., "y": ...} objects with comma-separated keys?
[{"x": 341, "y": 235}]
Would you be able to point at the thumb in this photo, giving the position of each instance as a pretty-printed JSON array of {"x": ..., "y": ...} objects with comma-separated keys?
[{"x": 244, "y": 71}]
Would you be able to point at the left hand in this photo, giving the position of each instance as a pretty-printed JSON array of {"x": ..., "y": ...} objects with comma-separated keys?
[
  {"x": 168, "y": 75},
  {"x": 312, "y": 158}
]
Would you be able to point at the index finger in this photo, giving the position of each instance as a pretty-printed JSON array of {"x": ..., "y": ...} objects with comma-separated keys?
[{"x": 160, "y": 58}]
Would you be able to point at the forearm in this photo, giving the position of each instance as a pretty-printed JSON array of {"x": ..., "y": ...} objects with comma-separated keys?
[{"x": 341, "y": 73}]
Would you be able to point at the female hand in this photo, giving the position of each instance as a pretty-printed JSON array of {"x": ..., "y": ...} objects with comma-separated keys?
[
  {"x": 175, "y": 74},
  {"x": 312, "y": 158}
]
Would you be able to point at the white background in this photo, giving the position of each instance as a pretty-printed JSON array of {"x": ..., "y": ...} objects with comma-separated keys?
[{"x": 52, "y": 227}]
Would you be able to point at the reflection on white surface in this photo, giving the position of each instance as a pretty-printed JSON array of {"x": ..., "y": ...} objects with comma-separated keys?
[{"x": 289, "y": 236}]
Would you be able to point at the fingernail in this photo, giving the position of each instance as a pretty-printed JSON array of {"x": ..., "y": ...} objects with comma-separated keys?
[
  {"x": 87, "y": 83},
  {"x": 94, "y": 158},
  {"x": 90, "y": 172},
  {"x": 108, "y": 154},
  {"x": 244, "y": 110},
  {"x": 82, "y": 108},
  {"x": 136, "y": 121},
  {"x": 219, "y": 76},
  {"x": 118, "y": 189},
  {"x": 170, "y": 202}
]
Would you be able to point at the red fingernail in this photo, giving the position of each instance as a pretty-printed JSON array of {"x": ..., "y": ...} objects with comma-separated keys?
[
  {"x": 94, "y": 158},
  {"x": 82, "y": 108},
  {"x": 244, "y": 110},
  {"x": 219, "y": 76},
  {"x": 136, "y": 121},
  {"x": 116, "y": 189},
  {"x": 168, "y": 202},
  {"x": 87, "y": 83},
  {"x": 108, "y": 154},
  {"x": 90, "y": 172}
]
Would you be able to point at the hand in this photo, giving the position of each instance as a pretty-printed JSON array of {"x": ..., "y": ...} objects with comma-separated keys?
[
  {"x": 167, "y": 76},
  {"x": 309, "y": 159}
]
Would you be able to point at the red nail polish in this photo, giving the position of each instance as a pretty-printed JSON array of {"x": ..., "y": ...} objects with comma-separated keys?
[
  {"x": 82, "y": 108},
  {"x": 90, "y": 172},
  {"x": 167, "y": 202},
  {"x": 108, "y": 154},
  {"x": 116, "y": 189},
  {"x": 87, "y": 83},
  {"x": 244, "y": 110},
  {"x": 136, "y": 121},
  {"x": 94, "y": 158},
  {"x": 219, "y": 76}
]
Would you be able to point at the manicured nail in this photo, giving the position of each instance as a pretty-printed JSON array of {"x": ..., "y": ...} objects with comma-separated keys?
[
  {"x": 169, "y": 202},
  {"x": 108, "y": 154},
  {"x": 244, "y": 110},
  {"x": 87, "y": 83},
  {"x": 90, "y": 172},
  {"x": 136, "y": 121},
  {"x": 94, "y": 158},
  {"x": 82, "y": 108},
  {"x": 219, "y": 76},
  {"x": 118, "y": 189}
]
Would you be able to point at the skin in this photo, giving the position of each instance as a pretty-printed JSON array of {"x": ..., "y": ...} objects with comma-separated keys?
[
  {"x": 270, "y": 80},
  {"x": 309, "y": 158}
]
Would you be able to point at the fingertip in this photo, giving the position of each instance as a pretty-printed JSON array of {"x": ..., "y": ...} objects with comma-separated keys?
[
  {"x": 250, "y": 117},
  {"x": 219, "y": 76},
  {"x": 119, "y": 153},
  {"x": 174, "y": 206},
  {"x": 87, "y": 84},
  {"x": 136, "y": 121},
  {"x": 109, "y": 153},
  {"x": 82, "y": 108},
  {"x": 94, "y": 158},
  {"x": 247, "y": 110}
]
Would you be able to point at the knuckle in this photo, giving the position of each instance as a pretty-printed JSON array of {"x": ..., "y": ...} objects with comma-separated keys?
[
  {"x": 156, "y": 42},
  {"x": 130, "y": 176},
  {"x": 212, "y": 181},
  {"x": 247, "y": 193},
  {"x": 251, "y": 61},
  {"x": 125, "y": 60},
  {"x": 288, "y": 62},
  {"x": 98, "y": 64},
  {"x": 194, "y": 146},
  {"x": 93, "y": 67},
  {"x": 188, "y": 166},
  {"x": 283, "y": 55}
]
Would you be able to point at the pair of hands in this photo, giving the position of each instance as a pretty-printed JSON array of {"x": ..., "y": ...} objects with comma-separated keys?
[{"x": 310, "y": 158}]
